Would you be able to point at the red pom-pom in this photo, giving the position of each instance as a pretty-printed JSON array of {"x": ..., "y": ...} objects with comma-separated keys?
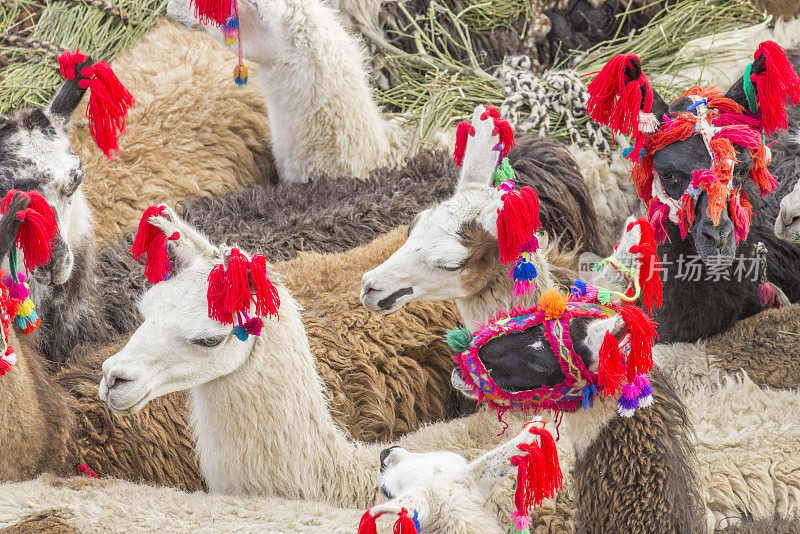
[
  {"x": 610, "y": 369},
  {"x": 150, "y": 240},
  {"x": 404, "y": 524},
  {"x": 463, "y": 132},
  {"x": 67, "y": 62},
  {"x": 267, "y": 299},
  {"x": 517, "y": 222},
  {"x": 213, "y": 11},
  {"x": 642, "y": 332},
  {"x": 108, "y": 107},
  {"x": 777, "y": 83},
  {"x": 367, "y": 524},
  {"x": 38, "y": 228},
  {"x": 650, "y": 266},
  {"x": 229, "y": 289}
]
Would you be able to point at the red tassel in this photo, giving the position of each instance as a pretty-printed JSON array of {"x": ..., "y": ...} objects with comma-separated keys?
[
  {"x": 404, "y": 524},
  {"x": 505, "y": 132},
  {"x": 774, "y": 86},
  {"x": 517, "y": 221},
  {"x": 615, "y": 101},
  {"x": 212, "y": 11},
  {"x": 610, "y": 371},
  {"x": 108, "y": 107},
  {"x": 463, "y": 132},
  {"x": 86, "y": 471},
  {"x": 229, "y": 289},
  {"x": 367, "y": 524},
  {"x": 741, "y": 213},
  {"x": 650, "y": 266},
  {"x": 151, "y": 240},
  {"x": 642, "y": 332},
  {"x": 267, "y": 299},
  {"x": 38, "y": 228},
  {"x": 658, "y": 215},
  {"x": 492, "y": 112},
  {"x": 538, "y": 471},
  {"x": 552, "y": 477},
  {"x": 67, "y": 61}
]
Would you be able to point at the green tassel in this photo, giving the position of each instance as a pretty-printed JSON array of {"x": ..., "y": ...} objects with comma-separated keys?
[
  {"x": 458, "y": 338},
  {"x": 503, "y": 173},
  {"x": 604, "y": 295}
]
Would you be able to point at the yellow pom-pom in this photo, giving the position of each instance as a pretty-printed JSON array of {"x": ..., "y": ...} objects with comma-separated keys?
[
  {"x": 554, "y": 303},
  {"x": 240, "y": 74},
  {"x": 25, "y": 309}
]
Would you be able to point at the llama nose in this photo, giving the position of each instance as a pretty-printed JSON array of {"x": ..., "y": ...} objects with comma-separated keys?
[
  {"x": 789, "y": 217},
  {"x": 114, "y": 378}
]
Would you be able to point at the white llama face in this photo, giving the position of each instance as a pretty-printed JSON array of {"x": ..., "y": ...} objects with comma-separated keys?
[
  {"x": 176, "y": 348},
  {"x": 448, "y": 244}
]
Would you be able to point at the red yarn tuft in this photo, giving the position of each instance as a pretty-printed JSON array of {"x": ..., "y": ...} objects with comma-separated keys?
[
  {"x": 86, "y": 471},
  {"x": 610, "y": 370},
  {"x": 150, "y": 240},
  {"x": 367, "y": 524},
  {"x": 538, "y": 471},
  {"x": 5, "y": 366},
  {"x": 741, "y": 213},
  {"x": 404, "y": 524},
  {"x": 642, "y": 332},
  {"x": 463, "y": 132},
  {"x": 213, "y": 11},
  {"x": 108, "y": 107},
  {"x": 768, "y": 296},
  {"x": 505, "y": 132},
  {"x": 765, "y": 180},
  {"x": 658, "y": 214},
  {"x": 517, "y": 222},
  {"x": 776, "y": 85},
  {"x": 267, "y": 299},
  {"x": 67, "y": 62},
  {"x": 229, "y": 289},
  {"x": 38, "y": 229},
  {"x": 615, "y": 100},
  {"x": 492, "y": 112},
  {"x": 650, "y": 267}
]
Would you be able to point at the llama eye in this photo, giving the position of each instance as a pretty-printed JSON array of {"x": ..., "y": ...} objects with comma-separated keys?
[
  {"x": 208, "y": 341},
  {"x": 449, "y": 266}
]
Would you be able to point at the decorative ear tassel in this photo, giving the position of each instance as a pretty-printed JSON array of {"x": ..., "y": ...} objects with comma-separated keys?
[
  {"x": 229, "y": 291},
  {"x": 212, "y": 11},
  {"x": 741, "y": 213},
  {"x": 775, "y": 87},
  {"x": 505, "y": 132},
  {"x": 538, "y": 475},
  {"x": 765, "y": 180},
  {"x": 650, "y": 267},
  {"x": 463, "y": 132},
  {"x": 642, "y": 332},
  {"x": 240, "y": 74},
  {"x": 38, "y": 228},
  {"x": 616, "y": 101},
  {"x": 458, "y": 339},
  {"x": 629, "y": 400},
  {"x": 645, "y": 390},
  {"x": 404, "y": 524},
  {"x": 520, "y": 523},
  {"x": 517, "y": 222},
  {"x": 523, "y": 274},
  {"x": 230, "y": 30},
  {"x": 610, "y": 368},
  {"x": 367, "y": 524},
  {"x": 554, "y": 303},
  {"x": 150, "y": 240},
  {"x": 109, "y": 101},
  {"x": 503, "y": 174}
]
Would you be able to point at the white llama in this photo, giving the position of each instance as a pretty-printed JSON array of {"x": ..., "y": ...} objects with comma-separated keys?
[
  {"x": 322, "y": 118},
  {"x": 258, "y": 408}
]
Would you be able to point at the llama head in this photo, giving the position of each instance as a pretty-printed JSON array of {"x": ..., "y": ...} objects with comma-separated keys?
[
  {"x": 787, "y": 224},
  {"x": 700, "y": 159},
  {"x": 452, "y": 250},
  {"x": 441, "y": 491},
  {"x": 35, "y": 154},
  {"x": 178, "y": 346}
]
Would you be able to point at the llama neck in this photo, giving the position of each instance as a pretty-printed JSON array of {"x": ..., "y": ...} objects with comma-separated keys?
[
  {"x": 716, "y": 303},
  {"x": 265, "y": 428},
  {"x": 322, "y": 117},
  {"x": 645, "y": 458},
  {"x": 496, "y": 293},
  {"x": 70, "y": 312}
]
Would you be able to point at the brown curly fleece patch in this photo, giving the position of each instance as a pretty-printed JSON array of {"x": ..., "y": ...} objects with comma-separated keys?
[
  {"x": 761, "y": 346},
  {"x": 637, "y": 476},
  {"x": 44, "y": 522}
]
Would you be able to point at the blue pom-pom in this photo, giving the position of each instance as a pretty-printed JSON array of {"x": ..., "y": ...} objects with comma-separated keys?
[
  {"x": 415, "y": 519},
  {"x": 524, "y": 271},
  {"x": 589, "y": 391},
  {"x": 240, "y": 333},
  {"x": 231, "y": 24},
  {"x": 578, "y": 288},
  {"x": 627, "y": 152}
]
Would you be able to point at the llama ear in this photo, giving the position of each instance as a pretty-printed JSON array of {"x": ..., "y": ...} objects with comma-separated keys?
[
  {"x": 488, "y": 215},
  {"x": 596, "y": 333},
  {"x": 475, "y": 147},
  {"x": 490, "y": 469},
  {"x": 70, "y": 94},
  {"x": 9, "y": 224},
  {"x": 736, "y": 91}
]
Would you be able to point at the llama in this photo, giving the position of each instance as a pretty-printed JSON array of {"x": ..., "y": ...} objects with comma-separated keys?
[
  {"x": 255, "y": 375},
  {"x": 663, "y": 178},
  {"x": 787, "y": 223},
  {"x": 452, "y": 249},
  {"x": 322, "y": 117}
]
